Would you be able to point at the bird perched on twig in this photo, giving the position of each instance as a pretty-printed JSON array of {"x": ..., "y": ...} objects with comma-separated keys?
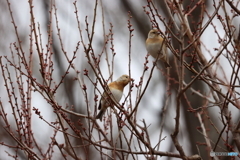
[
  {"x": 116, "y": 89},
  {"x": 156, "y": 47}
]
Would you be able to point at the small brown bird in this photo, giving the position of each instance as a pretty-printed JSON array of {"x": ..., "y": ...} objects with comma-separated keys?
[
  {"x": 116, "y": 89},
  {"x": 154, "y": 44}
]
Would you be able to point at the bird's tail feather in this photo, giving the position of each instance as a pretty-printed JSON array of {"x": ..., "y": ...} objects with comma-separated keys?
[
  {"x": 166, "y": 64},
  {"x": 160, "y": 63},
  {"x": 100, "y": 115}
]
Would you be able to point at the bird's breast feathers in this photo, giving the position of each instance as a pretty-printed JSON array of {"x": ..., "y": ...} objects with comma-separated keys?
[
  {"x": 117, "y": 94},
  {"x": 153, "y": 46}
]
